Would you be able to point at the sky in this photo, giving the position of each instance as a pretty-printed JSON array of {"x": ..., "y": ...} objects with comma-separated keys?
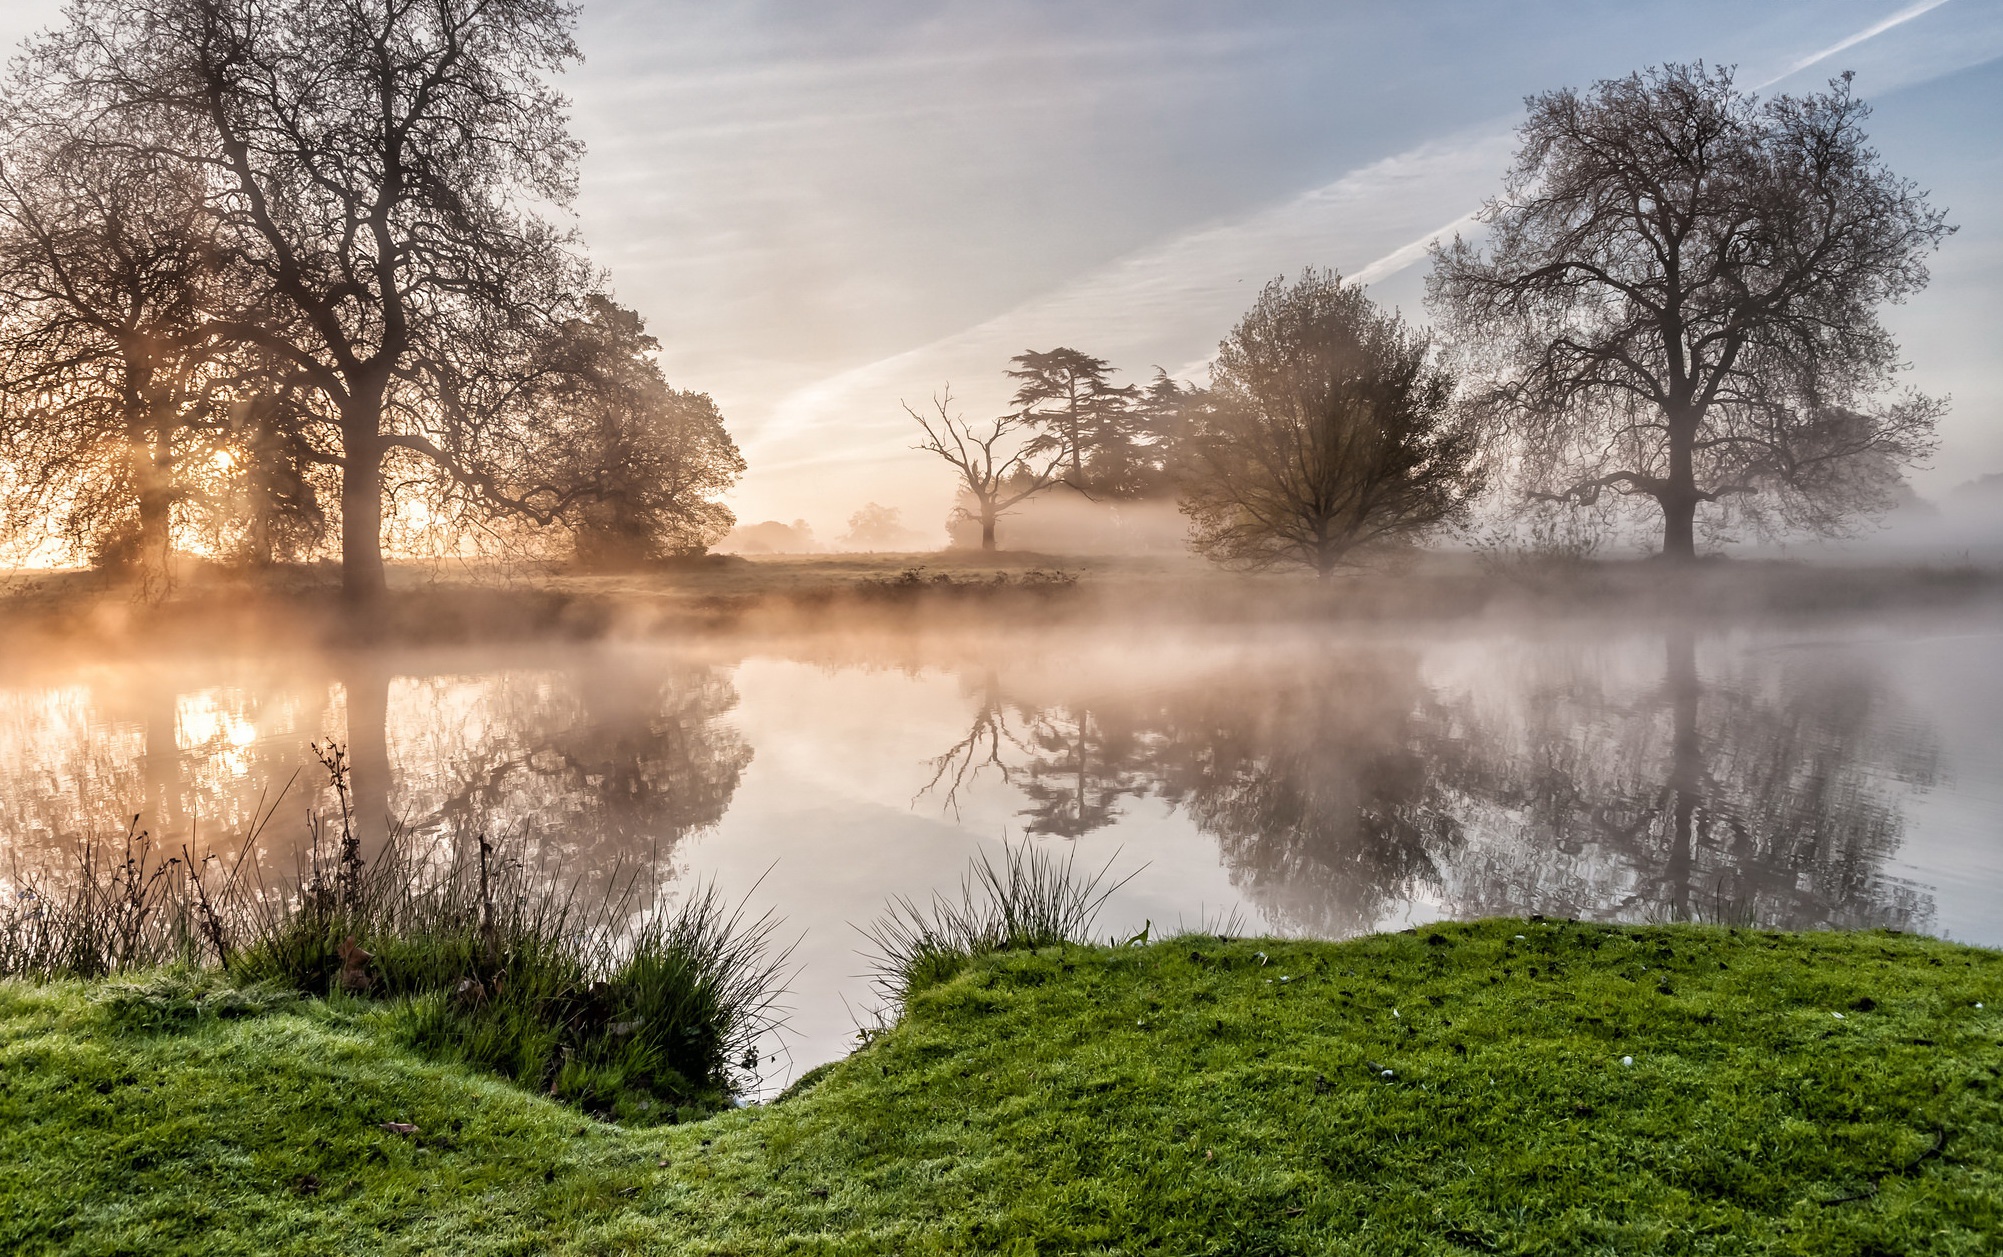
[{"x": 825, "y": 209}]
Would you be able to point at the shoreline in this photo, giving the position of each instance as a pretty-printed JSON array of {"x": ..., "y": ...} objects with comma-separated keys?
[{"x": 951, "y": 592}]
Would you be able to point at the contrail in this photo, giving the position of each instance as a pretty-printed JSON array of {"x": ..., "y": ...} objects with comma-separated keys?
[
  {"x": 1900, "y": 18},
  {"x": 1400, "y": 258}
]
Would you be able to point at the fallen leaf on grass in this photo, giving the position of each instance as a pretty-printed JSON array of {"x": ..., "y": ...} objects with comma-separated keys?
[{"x": 399, "y": 1128}]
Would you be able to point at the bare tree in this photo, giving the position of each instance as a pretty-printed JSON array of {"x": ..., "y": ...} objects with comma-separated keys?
[
  {"x": 1678, "y": 296},
  {"x": 1328, "y": 427},
  {"x": 375, "y": 171},
  {"x": 997, "y": 468}
]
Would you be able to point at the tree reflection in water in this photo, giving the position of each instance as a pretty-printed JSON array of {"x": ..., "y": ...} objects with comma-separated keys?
[
  {"x": 1324, "y": 781},
  {"x": 1767, "y": 795},
  {"x": 605, "y": 765},
  {"x": 601, "y": 765},
  {"x": 1341, "y": 786}
]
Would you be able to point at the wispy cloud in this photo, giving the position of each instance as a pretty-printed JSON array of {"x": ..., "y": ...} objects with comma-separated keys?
[{"x": 1161, "y": 304}]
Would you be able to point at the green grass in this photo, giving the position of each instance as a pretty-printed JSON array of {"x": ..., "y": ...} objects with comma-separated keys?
[
  {"x": 644, "y": 1015},
  {"x": 1174, "y": 1098}
]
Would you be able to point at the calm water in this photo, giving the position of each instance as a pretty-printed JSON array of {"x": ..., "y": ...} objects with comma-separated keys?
[{"x": 1831, "y": 774}]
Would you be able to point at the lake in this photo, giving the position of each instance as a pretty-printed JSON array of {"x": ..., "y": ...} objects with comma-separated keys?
[{"x": 1324, "y": 781}]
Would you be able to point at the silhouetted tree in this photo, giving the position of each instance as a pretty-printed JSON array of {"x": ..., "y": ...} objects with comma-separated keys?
[
  {"x": 372, "y": 170},
  {"x": 1328, "y": 427},
  {"x": 109, "y": 367},
  {"x": 1080, "y": 415},
  {"x": 996, "y": 466},
  {"x": 1146, "y": 464},
  {"x": 1678, "y": 296},
  {"x": 630, "y": 463}
]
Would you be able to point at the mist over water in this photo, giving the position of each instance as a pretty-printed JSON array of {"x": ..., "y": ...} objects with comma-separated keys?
[{"x": 1322, "y": 781}]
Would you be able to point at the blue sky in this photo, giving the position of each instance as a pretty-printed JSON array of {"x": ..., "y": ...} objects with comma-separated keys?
[{"x": 823, "y": 208}]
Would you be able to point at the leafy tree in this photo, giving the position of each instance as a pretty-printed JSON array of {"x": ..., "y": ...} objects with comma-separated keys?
[
  {"x": 998, "y": 465},
  {"x": 1328, "y": 427},
  {"x": 631, "y": 464},
  {"x": 1147, "y": 464},
  {"x": 372, "y": 169},
  {"x": 109, "y": 368},
  {"x": 1079, "y": 414},
  {"x": 878, "y": 527},
  {"x": 1677, "y": 301}
]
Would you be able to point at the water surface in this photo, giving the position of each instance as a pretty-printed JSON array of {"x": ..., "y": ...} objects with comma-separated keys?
[{"x": 1323, "y": 782}]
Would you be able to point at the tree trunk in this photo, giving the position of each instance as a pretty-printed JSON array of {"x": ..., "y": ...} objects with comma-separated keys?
[
  {"x": 153, "y": 460},
  {"x": 363, "y": 579},
  {"x": 987, "y": 532},
  {"x": 1679, "y": 526},
  {"x": 1679, "y": 500}
]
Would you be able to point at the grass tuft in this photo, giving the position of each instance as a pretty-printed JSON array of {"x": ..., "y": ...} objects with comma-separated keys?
[{"x": 1030, "y": 900}]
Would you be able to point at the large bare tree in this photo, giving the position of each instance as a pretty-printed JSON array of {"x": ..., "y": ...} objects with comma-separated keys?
[
  {"x": 378, "y": 175},
  {"x": 1328, "y": 427},
  {"x": 1678, "y": 298}
]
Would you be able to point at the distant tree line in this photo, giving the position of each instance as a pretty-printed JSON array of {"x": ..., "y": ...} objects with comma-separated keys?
[
  {"x": 278, "y": 275},
  {"x": 1675, "y": 303}
]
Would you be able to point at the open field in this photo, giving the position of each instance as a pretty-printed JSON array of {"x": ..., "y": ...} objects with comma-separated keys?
[{"x": 1505, "y": 1086}]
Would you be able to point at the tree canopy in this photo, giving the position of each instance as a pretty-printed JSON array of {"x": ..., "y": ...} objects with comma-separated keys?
[
  {"x": 632, "y": 464},
  {"x": 1677, "y": 301},
  {"x": 1114, "y": 440},
  {"x": 266, "y": 257},
  {"x": 1328, "y": 427}
]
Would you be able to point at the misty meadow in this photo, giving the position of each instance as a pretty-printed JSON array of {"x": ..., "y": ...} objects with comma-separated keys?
[{"x": 1000, "y": 629}]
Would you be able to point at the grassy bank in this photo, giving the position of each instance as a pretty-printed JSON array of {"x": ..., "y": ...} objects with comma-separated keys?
[{"x": 1455, "y": 1090}]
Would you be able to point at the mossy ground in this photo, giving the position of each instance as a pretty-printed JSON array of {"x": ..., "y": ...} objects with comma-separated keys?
[{"x": 1185, "y": 1097}]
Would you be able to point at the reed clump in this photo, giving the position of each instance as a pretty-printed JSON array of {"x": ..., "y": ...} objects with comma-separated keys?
[
  {"x": 1030, "y": 900},
  {"x": 118, "y": 907},
  {"x": 477, "y": 954}
]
